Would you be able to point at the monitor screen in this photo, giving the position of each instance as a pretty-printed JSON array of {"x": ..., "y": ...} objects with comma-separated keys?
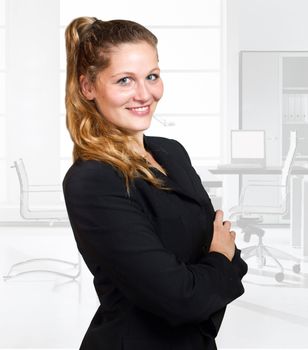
[{"x": 248, "y": 146}]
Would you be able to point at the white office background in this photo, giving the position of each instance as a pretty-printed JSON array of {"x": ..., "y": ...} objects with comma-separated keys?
[{"x": 199, "y": 44}]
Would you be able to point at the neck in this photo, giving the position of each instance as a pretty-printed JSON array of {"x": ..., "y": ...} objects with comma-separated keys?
[
  {"x": 138, "y": 138},
  {"x": 138, "y": 144}
]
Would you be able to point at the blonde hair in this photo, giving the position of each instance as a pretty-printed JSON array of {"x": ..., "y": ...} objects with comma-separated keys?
[{"x": 88, "y": 43}]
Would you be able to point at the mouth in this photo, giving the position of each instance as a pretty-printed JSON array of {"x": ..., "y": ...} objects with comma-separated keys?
[{"x": 139, "y": 109}]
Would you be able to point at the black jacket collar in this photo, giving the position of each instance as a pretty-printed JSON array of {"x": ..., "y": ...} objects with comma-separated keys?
[{"x": 178, "y": 178}]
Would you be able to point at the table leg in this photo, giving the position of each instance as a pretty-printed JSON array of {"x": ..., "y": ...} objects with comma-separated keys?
[
  {"x": 296, "y": 210},
  {"x": 304, "y": 221}
]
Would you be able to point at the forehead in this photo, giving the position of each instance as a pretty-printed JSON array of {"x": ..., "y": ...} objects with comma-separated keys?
[{"x": 132, "y": 55}]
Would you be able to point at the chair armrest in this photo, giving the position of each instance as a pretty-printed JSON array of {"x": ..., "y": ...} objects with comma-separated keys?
[{"x": 45, "y": 188}]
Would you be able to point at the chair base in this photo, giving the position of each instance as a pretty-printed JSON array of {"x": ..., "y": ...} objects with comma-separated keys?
[
  {"x": 262, "y": 251},
  {"x": 76, "y": 265}
]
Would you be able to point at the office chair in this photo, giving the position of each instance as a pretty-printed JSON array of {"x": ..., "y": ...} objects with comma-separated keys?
[
  {"x": 45, "y": 216},
  {"x": 249, "y": 217}
]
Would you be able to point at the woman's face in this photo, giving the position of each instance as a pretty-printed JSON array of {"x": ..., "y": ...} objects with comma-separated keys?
[{"x": 128, "y": 90}]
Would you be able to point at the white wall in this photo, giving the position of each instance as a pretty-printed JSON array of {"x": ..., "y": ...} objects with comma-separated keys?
[{"x": 273, "y": 25}]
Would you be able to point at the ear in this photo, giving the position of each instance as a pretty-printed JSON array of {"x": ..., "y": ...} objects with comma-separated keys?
[{"x": 87, "y": 88}]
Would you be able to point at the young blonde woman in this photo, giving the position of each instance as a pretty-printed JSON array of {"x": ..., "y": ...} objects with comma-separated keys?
[{"x": 165, "y": 265}]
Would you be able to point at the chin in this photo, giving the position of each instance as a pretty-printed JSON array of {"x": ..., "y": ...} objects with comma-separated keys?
[{"x": 142, "y": 126}]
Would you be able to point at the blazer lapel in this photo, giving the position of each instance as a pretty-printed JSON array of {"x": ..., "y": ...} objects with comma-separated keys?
[{"x": 177, "y": 177}]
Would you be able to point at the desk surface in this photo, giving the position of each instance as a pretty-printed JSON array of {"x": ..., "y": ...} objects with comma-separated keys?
[
  {"x": 262, "y": 171},
  {"x": 33, "y": 223}
]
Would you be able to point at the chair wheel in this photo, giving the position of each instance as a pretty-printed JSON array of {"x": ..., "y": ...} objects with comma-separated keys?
[
  {"x": 279, "y": 276},
  {"x": 247, "y": 237},
  {"x": 297, "y": 268}
]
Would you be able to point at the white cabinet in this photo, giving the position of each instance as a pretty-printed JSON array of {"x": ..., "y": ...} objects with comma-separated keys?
[{"x": 294, "y": 92}]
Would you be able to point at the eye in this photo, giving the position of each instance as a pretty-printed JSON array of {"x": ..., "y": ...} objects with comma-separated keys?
[
  {"x": 152, "y": 77},
  {"x": 124, "y": 81}
]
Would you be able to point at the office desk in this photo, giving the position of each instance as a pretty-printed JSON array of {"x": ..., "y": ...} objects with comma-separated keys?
[
  {"x": 298, "y": 198},
  {"x": 261, "y": 171}
]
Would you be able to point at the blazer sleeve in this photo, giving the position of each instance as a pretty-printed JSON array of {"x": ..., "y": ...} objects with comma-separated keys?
[
  {"x": 115, "y": 235},
  {"x": 238, "y": 263},
  {"x": 211, "y": 326}
]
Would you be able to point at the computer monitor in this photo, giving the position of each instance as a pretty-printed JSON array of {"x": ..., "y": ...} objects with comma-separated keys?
[{"x": 248, "y": 146}]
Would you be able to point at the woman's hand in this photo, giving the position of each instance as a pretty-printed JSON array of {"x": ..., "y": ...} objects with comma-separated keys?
[{"x": 223, "y": 238}]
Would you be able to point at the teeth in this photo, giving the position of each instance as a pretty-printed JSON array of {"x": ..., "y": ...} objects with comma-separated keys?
[{"x": 140, "y": 109}]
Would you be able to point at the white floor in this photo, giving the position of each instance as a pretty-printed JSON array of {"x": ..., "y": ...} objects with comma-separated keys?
[{"x": 42, "y": 311}]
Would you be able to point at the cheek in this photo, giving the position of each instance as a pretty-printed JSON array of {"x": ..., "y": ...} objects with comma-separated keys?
[
  {"x": 116, "y": 98},
  {"x": 158, "y": 91}
]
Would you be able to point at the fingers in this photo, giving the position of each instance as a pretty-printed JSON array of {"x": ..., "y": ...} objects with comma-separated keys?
[
  {"x": 227, "y": 225},
  {"x": 219, "y": 216},
  {"x": 219, "y": 220},
  {"x": 223, "y": 237},
  {"x": 233, "y": 234}
]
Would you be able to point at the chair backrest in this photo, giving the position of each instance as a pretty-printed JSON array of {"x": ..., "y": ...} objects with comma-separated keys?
[
  {"x": 48, "y": 215},
  {"x": 23, "y": 187},
  {"x": 287, "y": 165}
]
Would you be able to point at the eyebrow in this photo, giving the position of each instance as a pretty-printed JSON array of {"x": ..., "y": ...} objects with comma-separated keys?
[{"x": 131, "y": 73}]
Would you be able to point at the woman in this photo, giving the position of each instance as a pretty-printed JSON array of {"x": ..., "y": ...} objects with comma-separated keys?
[{"x": 164, "y": 265}]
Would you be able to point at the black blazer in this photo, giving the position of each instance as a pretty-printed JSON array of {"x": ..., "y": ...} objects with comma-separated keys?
[{"x": 158, "y": 286}]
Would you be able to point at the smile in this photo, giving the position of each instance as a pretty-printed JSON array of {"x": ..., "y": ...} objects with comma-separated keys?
[{"x": 140, "y": 109}]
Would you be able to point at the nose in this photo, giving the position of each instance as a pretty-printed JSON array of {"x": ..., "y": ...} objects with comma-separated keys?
[{"x": 142, "y": 92}]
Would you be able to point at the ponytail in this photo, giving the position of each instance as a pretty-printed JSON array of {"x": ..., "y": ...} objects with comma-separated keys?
[{"x": 74, "y": 33}]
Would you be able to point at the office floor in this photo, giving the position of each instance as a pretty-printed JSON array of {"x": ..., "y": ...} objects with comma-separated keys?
[{"x": 41, "y": 311}]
